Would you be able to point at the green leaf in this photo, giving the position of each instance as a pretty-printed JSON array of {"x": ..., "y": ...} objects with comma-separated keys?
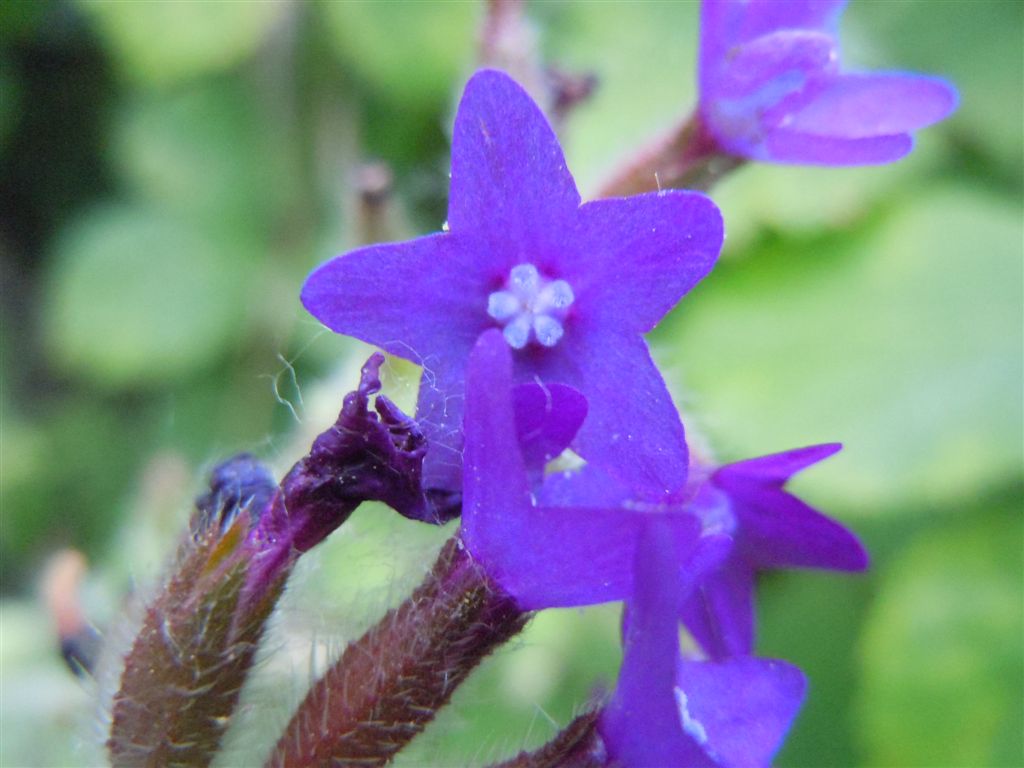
[
  {"x": 798, "y": 199},
  {"x": 971, "y": 45},
  {"x": 45, "y": 710},
  {"x": 204, "y": 152},
  {"x": 161, "y": 42},
  {"x": 903, "y": 341},
  {"x": 135, "y": 297},
  {"x": 941, "y": 653},
  {"x": 411, "y": 52}
]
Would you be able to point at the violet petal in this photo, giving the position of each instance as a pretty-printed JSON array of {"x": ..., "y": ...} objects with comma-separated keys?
[
  {"x": 397, "y": 297},
  {"x": 768, "y": 64},
  {"x": 775, "y": 468},
  {"x": 771, "y": 89},
  {"x": 641, "y": 725},
  {"x": 588, "y": 486},
  {"x": 739, "y": 709},
  {"x": 859, "y": 106},
  {"x": 778, "y": 529},
  {"x": 781, "y": 531},
  {"x": 509, "y": 181},
  {"x": 720, "y": 613},
  {"x": 632, "y": 429},
  {"x": 547, "y": 417},
  {"x": 630, "y": 260},
  {"x": 495, "y": 485}
]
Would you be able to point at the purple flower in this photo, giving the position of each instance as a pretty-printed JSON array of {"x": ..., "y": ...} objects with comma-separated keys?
[
  {"x": 572, "y": 287},
  {"x": 772, "y": 529},
  {"x": 671, "y": 711},
  {"x": 771, "y": 89},
  {"x": 543, "y": 555}
]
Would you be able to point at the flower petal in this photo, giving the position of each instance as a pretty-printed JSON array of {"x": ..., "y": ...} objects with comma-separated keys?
[
  {"x": 588, "y": 486},
  {"x": 538, "y": 555},
  {"x": 864, "y": 106},
  {"x": 763, "y": 16},
  {"x": 776, "y": 468},
  {"x": 494, "y": 485},
  {"x": 548, "y": 416},
  {"x": 641, "y": 725},
  {"x": 786, "y": 146},
  {"x": 775, "y": 64},
  {"x": 632, "y": 259},
  {"x": 781, "y": 531},
  {"x": 727, "y": 23},
  {"x": 632, "y": 429},
  {"x": 509, "y": 181},
  {"x": 551, "y": 557},
  {"x": 742, "y": 707},
  {"x": 720, "y": 615},
  {"x": 417, "y": 299},
  {"x": 778, "y": 529}
]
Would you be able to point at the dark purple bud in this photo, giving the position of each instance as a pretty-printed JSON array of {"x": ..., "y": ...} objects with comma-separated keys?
[{"x": 241, "y": 482}]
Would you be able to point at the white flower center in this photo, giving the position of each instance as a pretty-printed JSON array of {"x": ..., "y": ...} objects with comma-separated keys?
[{"x": 531, "y": 307}]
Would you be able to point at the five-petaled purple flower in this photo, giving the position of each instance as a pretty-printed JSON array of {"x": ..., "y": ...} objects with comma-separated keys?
[
  {"x": 771, "y": 89},
  {"x": 572, "y": 287},
  {"x": 668, "y": 710}
]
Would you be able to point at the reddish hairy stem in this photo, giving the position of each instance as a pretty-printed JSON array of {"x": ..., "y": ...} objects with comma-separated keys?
[
  {"x": 185, "y": 670},
  {"x": 577, "y": 746},
  {"x": 390, "y": 683},
  {"x": 688, "y": 157}
]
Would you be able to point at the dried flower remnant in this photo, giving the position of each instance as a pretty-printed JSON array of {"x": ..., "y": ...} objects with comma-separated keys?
[
  {"x": 572, "y": 286},
  {"x": 771, "y": 88}
]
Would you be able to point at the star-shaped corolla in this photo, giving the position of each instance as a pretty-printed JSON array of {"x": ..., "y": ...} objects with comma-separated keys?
[
  {"x": 544, "y": 555},
  {"x": 572, "y": 287},
  {"x": 667, "y": 710},
  {"x": 772, "y": 529},
  {"x": 771, "y": 89}
]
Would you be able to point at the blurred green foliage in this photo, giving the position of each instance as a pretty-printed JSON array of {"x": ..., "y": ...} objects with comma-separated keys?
[{"x": 171, "y": 171}]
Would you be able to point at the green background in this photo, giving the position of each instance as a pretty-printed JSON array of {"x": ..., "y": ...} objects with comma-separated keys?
[{"x": 171, "y": 171}]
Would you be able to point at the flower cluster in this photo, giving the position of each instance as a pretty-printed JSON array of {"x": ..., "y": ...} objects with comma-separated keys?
[{"x": 527, "y": 314}]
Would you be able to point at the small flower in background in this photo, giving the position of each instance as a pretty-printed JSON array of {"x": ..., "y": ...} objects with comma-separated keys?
[
  {"x": 771, "y": 88},
  {"x": 667, "y": 710},
  {"x": 572, "y": 287}
]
